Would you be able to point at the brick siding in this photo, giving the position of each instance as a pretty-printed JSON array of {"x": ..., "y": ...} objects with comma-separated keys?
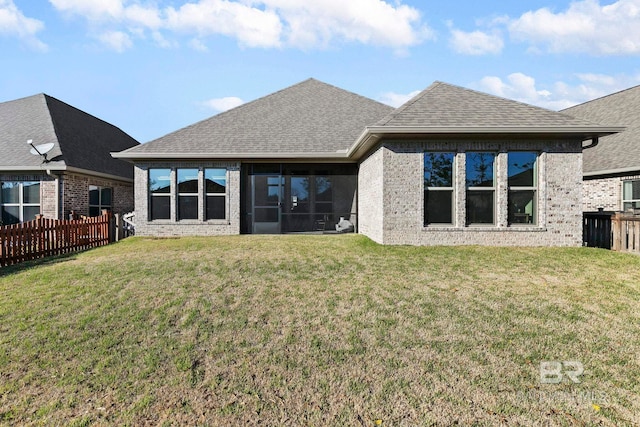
[
  {"x": 76, "y": 193},
  {"x": 199, "y": 227},
  {"x": 393, "y": 181},
  {"x": 605, "y": 193}
]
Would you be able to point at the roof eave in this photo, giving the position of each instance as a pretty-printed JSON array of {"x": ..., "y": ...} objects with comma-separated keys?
[
  {"x": 339, "y": 155},
  {"x": 373, "y": 134},
  {"x": 632, "y": 170},
  {"x": 42, "y": 167}
]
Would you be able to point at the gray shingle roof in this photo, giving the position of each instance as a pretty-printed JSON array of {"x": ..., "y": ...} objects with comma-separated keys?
[
  {"x": 80, "y": 139},
  {"x": 446, "y": 105},
  {"x": 310, "y": 117},
  {"x": 617, "y": 152}
]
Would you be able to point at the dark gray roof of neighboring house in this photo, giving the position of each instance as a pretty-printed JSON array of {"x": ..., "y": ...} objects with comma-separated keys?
[
  {"x": 615, "y": 153},
  {"x": 446, "y": 105},
  {"x": 310, "y": 118},
  {"x": 81, "y": 141}
]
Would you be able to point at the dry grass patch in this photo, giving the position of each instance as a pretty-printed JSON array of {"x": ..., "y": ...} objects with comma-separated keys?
[{"x": 310, "y": 330}]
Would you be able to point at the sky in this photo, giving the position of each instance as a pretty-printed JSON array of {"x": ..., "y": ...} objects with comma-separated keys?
[{"x": 151, "y": 67}]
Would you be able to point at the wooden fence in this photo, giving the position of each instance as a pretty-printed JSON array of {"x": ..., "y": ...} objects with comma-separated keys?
[
  {"x": 626, "y": 233},
  {"x": 44, "y": 237},
  {"x": 612, "y": 230}
]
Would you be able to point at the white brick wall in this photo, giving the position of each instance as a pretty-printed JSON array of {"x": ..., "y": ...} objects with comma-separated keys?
[
  {"x": 605, "y": 193},
  {"x": 172, "y": 227},
  {"x": 390, "y": 197},
  {"x": 370, "y": 195},
  {"x": 396, "y": 169}
]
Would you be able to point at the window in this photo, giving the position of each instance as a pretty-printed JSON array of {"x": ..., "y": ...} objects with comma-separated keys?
[
  {"x": 215, "y": 183},
  {"x": 187, "y": 193},
  {"x": 160, "y": 194},
  {"x": 630, "y": 195},
  {"x": 19, "y": 201},
  {"x": 523, "y": 181},
  {"x": 438, "y": 188},
  {"x": 480, "y": 183},
  {"x": 99, "y": 199}
]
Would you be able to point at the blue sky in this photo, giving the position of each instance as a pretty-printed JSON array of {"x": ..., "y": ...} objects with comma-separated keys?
[{"x": 153, "y": 66}]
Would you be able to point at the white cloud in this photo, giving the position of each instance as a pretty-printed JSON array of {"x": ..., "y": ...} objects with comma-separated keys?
[
  {"x": 14, "y": 23},
  {"x": 318, "y": 23},
  {"x": 116, "y": 40},
  {"x": 559, "y": 95},
  {"x": 196, "y": 44},
  {"x": 252, "y": 27},
  {"x": 396, "y": 99},
  {"x": 476, "y": 42},
  {"x": 148, "y": 17},
  {"x": 162, "y": 41},
  {"x": 223, "y": 104},
  {"x": 264, "y": 23},
  {"x": 91, "y": 9},
  {"x": 586, "y": 26}
]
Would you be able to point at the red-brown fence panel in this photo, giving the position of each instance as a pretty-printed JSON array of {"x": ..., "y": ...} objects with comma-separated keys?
[{"x": 44, "y": 237}]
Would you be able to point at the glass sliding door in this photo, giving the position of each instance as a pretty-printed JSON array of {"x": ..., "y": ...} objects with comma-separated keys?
[{"x": 267, "y": 203}]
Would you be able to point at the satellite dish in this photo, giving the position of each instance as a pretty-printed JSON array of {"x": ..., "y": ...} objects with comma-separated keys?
[{"x": 41, "y": 149}]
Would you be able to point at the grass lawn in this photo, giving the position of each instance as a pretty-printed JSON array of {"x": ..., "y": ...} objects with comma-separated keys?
[{"x": 319, "y": 330}]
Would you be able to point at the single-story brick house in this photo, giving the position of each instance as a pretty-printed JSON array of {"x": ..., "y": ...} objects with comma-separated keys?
[
  {"x": 79, "y": 174},
  {"x": 612, "y": 168},
  {"x": 451, "y": 166}
]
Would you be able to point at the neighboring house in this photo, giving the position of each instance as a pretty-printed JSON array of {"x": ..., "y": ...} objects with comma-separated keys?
[
  {"x": 451, "y": 166},
  {"x": 611, "y": 169},
  {"x": 79, "y": 175}
]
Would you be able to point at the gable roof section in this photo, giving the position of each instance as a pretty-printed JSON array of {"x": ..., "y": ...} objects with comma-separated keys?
[
  {"x": 445, "y": 109},
  {"x": 619, "y": 153},
  {"x": 311, "y": 119},
  {"x": 82, "y": 142}
]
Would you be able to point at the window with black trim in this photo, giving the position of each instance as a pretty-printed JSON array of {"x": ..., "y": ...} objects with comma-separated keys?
[
  {"x": 215, "y": 185},
  {"x": 438, "y": 187},
  {"x": 159, "y": 194},
  {"x": 523, "y": 187},
  {"x": 481, "y": 187},
  {"x": 100, "y": 198},
  {"x": 187, "y": 193},
  {"x": 19, "y": 201}
]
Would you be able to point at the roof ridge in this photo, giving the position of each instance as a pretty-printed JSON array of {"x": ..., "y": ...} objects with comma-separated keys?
[
  {"x": 602, "y": 97},
  {"x": 24, "y": 97},
  {"x": 407, "y": 104}
]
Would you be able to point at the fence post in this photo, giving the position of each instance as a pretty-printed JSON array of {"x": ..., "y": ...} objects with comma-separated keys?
[{"x": 119, "y": 228}]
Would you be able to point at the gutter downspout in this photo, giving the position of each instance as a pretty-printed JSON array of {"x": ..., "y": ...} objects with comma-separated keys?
[{"x": 594, "y": 142}]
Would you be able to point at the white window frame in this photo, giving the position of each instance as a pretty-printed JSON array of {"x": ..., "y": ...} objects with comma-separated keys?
[
  {"x": 21, "y": 204},
  {"x": 630, "y": 181}
]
